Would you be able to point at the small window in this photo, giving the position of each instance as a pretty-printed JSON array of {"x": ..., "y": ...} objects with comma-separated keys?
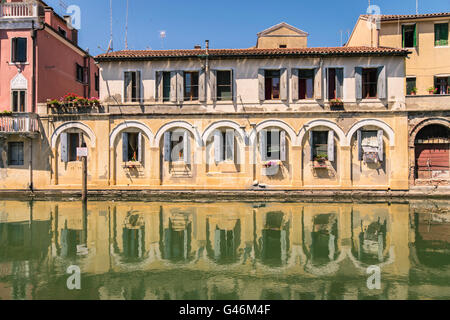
[
  {"x": 409, "y": 36},
  {"x": 335, "y": 83},
  {"x": 442, "y": 84},
  {"x": 97, "y": 82},
  {"x": 73, "y": 143},
  {"x": 18, "y": 100},
  {"x": 80, "y": 73},
  {"x": 226, "y": 148},
  {"x": 62, "y": 32},
  {"x": 441, "y": 34},
  {"x": 15, "y": 153},
  {"x": 132, "y": 85},
  {"x": 306, "y": 84},
  {"x": 320, "y": 144},
  {"x": 224, "y": 85},
  {"x": 133, "y": 146},
  {"x": 166, "y": 86},
  {"x": 273, "y": 145},
  {"x": 283, "y": 46},
  {"x": 190, "y": 86},
  {"x": 411, "y": 86},
  {"x": 369, "y": 83},
  {"x": 19, "y": 50},
  {"x": 272, "y": 84}
]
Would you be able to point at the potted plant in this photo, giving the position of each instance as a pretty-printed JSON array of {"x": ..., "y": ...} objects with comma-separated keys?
[
  {"x": 6, "y": 113},
  {"x": 320, "y": 160},
  {"x": 336, "y": 103},
  {"x": 414, "y": 91},
  {"x": 432, "y": 90}
]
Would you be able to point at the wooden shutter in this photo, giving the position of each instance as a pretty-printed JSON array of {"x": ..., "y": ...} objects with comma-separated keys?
[
  {"x": 159, "y": 86},
  {"x": 294, "y": 90},
  {"x": 263, "y": 144},
  {"x": 186, "y": 147},
  {"x": 339, "y": 83},
  {"x": 138, "y": 86},
  {"x": 380, "y": 145},
  {"x": 180, "y": 86},
  {"x": 358, "y": 83},
  {"x": 331, "y": 146},
  {"x": 403, "y": 36},
  {"x": 261, "y": 85},
  {"x": 64, "y": 147},
  {"x": 360, "y": 150},
  {"x": 127, "y": 87},
  {"x": 381, "y": 89},
  {"x": 229, "y": 137},
  {"x": 415, "y": 35},
  {"x": 318, "y": 84},
  {"x": 218, "y": 146},
  {"x": 124, "y": 146},
  {"x": 311, "y": 145},
  {"x": 202, "y": 86},
  {"x": 232, "y": 84},
  {"x": 283, "y": 84},
  {"x": 283, "y": 145},
  {"x": 173, "y": 86},
  {"x": 140, "y": 147},
  {"x": 167, "y": 143},
  {"x": 213, "y": 84}
]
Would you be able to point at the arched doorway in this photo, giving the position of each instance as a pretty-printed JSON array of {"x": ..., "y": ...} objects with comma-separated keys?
[{"x": 432, "y": 157}]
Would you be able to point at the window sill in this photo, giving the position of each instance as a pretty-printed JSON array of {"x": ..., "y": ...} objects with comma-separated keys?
[
  {"x": 18, "y": 63},
  {"x": 439, "y": 47}
]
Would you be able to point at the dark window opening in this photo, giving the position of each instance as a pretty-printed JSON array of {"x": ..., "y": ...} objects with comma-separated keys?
[
  {"x": 133, "y": 146},
  {"x": 97, "y": 82},
  {"x": 273, "y": 145},
  {"x": 272, "y": 84},
  {"x": 369, "y": 83},
  {"x": 320, "y": 144},
  {"x": 74, "y": 143},
  {"x": 433, "y": 134},
  {"x": 80, "y": 73},
  {"x": 132, "y": 86},
  {"x": 190, "y": 86},
  {"x": 331, "y": 83},
  {"x": 224, "y": 85},
  {"x": 283, "y": 46},
  {"x": 62, "y": 32},
  {"x": 441, "y": 34},
  {"x": 166, "y": 86},
  {"x": 19, "y": 50},
  {"x": 409, "y": 36},
  {"x": 15, "y": 154},
  {"x": 411, "y": 86},
  {"x": 442, "y": 84},
  {"x": 18, "y": 100},
  {"x": 306, "y": 84}
]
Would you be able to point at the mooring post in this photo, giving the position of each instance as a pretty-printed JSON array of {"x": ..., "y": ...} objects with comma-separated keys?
[{"x": 84, "y": 179}]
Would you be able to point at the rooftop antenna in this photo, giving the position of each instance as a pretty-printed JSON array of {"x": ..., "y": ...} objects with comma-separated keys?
[
  {"x": 162, "y": 35},
  {"x": 341, "y": 36},
  {"x": 126, "y": 28},
  {"x": 110, "y": 45},
  {"x": 63, "y": 5},
  {"x": 417, "y": 6}
]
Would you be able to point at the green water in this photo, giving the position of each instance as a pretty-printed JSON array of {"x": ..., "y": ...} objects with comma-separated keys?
[{"x": 146, "y": 250}]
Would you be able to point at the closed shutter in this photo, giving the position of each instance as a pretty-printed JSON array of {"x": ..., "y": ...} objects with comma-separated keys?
[
  {"x": 360, "y": 150},
  {"x": 327, "y": 84},
  {"x": 124, "y": 146},
  {"x": 180, "y": 86},
  {"x": 202, "y": 86},
  {"x": 63, "y": 146},
  {"x": 213, "y": 84},
  {"x": 138, "y": 86},
  {"x": 186, "y": 147},
  {"x": 283, "y": 145},
  {"x": 140, "y": 146},
  {"x": 311, "y": 145},
  {"x": 380, "y": 145},
  {"x": 381, "y": 89},
  {"x": 283, "y": 84},
  {"x": 232, "y": 84},
  {"x": 127, "y": 87},
  {"x": 261, "y": 85},
  {"x": 358, "y": 83},
  {"x": 158, "y": 86},
  {"x": 173, "y": 86},
  {"x": 229, "y": 137},
  {"x": 403, "y": 36},
  {"x": 339, "y": 83},
  {"x": 263, "y": 145},
  {"x": 318, "y": 84},
  {"x": 415, "y": 35},
  {"x": 331, "y": 146},
  {"x": 295, "y": 88},
  {"x": 167, "y": 143},
  {"x": 218, "y": 146}
]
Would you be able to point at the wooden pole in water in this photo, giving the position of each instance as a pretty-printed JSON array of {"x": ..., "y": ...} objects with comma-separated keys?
[{"x": 84, "y": 179}]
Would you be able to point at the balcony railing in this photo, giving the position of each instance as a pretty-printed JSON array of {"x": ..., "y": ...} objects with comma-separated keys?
[
  {"x": 19, "y": 123},
  {"x": 19, "y": 10}
]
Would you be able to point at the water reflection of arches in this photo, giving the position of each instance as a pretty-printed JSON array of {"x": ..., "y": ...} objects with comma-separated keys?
[
  {"x": 223, "y": 239},
  {"x": 176, "y": 236}
]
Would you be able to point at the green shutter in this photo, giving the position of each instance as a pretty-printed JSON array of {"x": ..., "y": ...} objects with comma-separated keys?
[
  {"x": 403, "y": 36},
  {"x": 415, "y": 35}
]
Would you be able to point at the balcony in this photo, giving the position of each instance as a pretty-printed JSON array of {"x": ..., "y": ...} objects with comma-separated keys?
[
  {"x": 19, "y": 12},
  {"x": 25, "y": 124}
]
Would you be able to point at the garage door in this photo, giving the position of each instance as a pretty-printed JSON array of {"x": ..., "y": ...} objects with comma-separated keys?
[{"x": 432, "y": 161}]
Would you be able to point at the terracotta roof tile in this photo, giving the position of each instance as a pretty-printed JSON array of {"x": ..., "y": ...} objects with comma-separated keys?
[
  {"x": 250, "y": 52},
  {"x": 390, "y": 17}
]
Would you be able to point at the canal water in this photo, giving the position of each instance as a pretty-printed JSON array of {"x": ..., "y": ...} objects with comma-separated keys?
[{"x": 224, "y": 250}]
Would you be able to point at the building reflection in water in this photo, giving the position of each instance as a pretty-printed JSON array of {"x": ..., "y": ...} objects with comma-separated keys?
[{"x": 223, "y": 250}]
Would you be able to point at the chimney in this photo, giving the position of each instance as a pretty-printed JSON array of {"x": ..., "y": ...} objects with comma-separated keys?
[
  {"x": 197, "y": 46},
  {"x": 68, "y": 20}
]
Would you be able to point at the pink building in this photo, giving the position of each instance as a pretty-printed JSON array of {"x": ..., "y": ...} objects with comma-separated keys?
[{"x": 40, "y": 58}]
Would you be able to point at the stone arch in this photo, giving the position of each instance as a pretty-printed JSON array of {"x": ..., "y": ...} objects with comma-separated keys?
[
  {"x": 177, "y": 124},
  {"x": 221, "y": 124},
  {"x": 74, "y": 124},
  {"x": 326, "y": 123},
  {"x": 273, "y": 123},
  {"x": 372, "y": 122},
  {"x": 424, "y": 123},
  {"x": 130, "y": 124}
]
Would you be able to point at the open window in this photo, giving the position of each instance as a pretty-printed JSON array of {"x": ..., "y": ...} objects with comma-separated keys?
[
  {"x": 191, "y": 81},
  {"x": 441, "y": 34},
  {"x": 411, "y": 86},
  {"x": 177, "y": 146},
  {"x": 370, "y": 146},
  {"x": 272, "y": 84},
  {"x": 370, "y": 83},
  {"x": 132, "y": 147},
  {"x": 224, "y": 145},
  {"x": 306, "y": 84},
  {"x": 18, "y": 100},
  {"x": 335, "y": 83},
  {"x": 69, "y": 144},
  {"x": 224, "y": 85},
  {"x": 322, "y": 145},
  {"x": 132, "y": 86},
  {"x": 409, "y": 36},
  {"x": 272, "y": 145},
  {"x": 15, "y": 154},
  {"x": 442, "y": 84}
]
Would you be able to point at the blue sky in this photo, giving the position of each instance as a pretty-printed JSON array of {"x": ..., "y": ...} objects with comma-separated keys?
[{"x": 227, "y": 24}]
